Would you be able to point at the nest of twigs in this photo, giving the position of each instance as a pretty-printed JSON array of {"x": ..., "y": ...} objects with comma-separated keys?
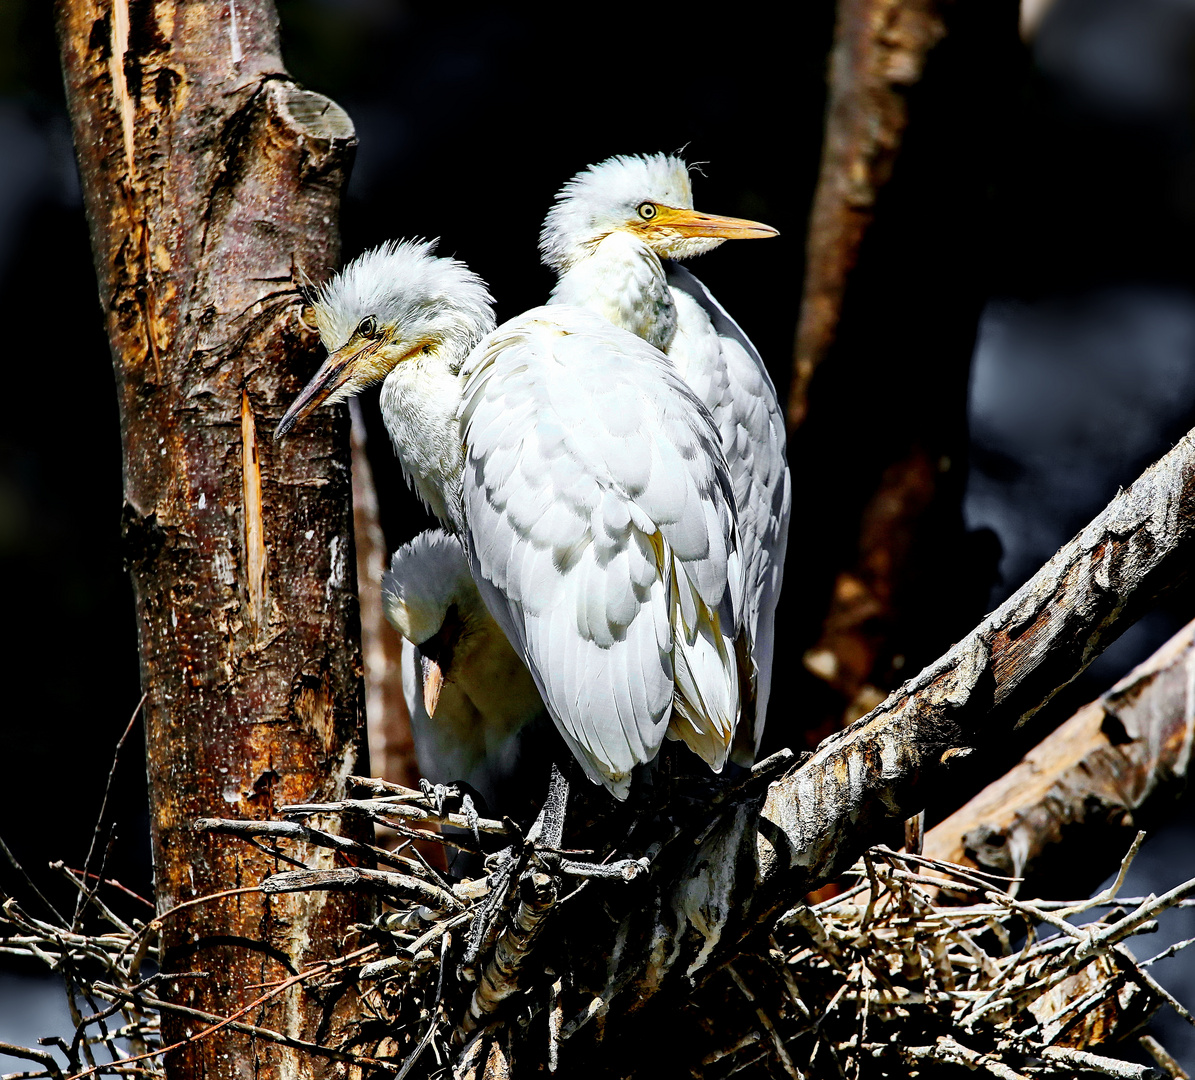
[{"x": 918, "y": 968}]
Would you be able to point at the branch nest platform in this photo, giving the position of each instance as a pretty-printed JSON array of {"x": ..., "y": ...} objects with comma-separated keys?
[{"x": 918, "y": 968}]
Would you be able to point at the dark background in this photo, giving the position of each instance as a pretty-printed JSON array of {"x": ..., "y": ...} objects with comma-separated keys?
[{"x": 470, "y": 117}]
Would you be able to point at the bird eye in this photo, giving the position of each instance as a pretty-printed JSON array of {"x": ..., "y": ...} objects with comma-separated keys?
[
  {"x": 368, "y": 327},
  {"x": 647, "y": 211}
]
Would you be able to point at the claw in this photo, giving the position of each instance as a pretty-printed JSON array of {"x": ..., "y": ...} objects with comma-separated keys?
[
  {"x": 471, "y": 815},
  {"x": 438, "y": 793}
]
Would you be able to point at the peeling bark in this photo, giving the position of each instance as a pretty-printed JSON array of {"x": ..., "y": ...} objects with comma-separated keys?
[
  {"x": 993, "y": 680},
  {"x": 1116, "y": 766},
  {"x": 210, "y": 179}
]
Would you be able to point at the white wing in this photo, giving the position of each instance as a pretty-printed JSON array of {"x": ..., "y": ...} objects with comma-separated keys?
[
  {"x": 488, "y": 706},
  {"x": 724, "y": 369},
  {"x": 601, "y": 534}
]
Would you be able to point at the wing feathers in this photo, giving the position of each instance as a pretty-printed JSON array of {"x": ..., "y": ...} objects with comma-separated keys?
[
  {"x": 718, "y": 360},
  {"x": 602, "y": 535}
]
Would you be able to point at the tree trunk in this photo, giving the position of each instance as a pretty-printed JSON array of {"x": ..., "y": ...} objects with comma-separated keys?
[
  {"x": 210, "y": 181},
  {"x": 391, "y": 744},
  {"x": 920, "y": 92}
]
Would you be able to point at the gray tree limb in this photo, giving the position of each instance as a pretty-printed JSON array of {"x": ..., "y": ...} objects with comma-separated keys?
[
  {"x": 1114, "y": 767},
  {"x": 814, "y": 821}
]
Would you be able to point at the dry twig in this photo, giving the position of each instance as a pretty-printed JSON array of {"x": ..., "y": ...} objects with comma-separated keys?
[{"x": 872, "y": 983}]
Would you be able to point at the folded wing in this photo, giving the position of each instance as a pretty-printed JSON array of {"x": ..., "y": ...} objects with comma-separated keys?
[
  {"x": 601, "y": 533},
  {"x": 725, "y": 370}
]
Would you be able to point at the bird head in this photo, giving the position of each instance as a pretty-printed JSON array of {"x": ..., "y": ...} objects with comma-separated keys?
[
  {"x": 394, "y": 304},
  {"x": 429, "y": 596},
  {"x": 647, "y": 196}
]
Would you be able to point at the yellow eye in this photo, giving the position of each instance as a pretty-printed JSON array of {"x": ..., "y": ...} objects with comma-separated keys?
[
  {"x": 368, "y": 327},
  {"x": 647, "y": 211}
]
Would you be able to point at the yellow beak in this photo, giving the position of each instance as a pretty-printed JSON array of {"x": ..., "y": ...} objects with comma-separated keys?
[
  {"x": 695, "y": 223},
  {"x": 433, "y": 682},
  {"x": 332, "y": 375}
]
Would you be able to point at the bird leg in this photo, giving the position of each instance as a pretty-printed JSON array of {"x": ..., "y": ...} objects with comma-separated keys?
[
  {"x": 471, "y": 816},
  {"x": 438, "y": 793},
  {"x": 483, "y": 928},
  {"x": 535, "y": 866},
  {"x": 548, "y": 830}
]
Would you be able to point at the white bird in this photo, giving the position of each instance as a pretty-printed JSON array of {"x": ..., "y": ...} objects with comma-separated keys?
[
  {"x": 469, "y": 694},
  {"x": 612, "y": 238},
  {"x": 586, "y": 482}
]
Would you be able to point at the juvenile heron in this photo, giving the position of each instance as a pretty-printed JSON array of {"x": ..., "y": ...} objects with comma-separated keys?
[
  {"x": 586, "y": 482},
  {"x": 470, "y": 696},
  {"x": 613, "y": 237}
]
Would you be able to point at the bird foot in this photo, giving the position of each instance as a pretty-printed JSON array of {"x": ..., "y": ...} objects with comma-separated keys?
[
  {"x": 438, "y": 793},
  {"x": 471, "y": 816},
  {"x": 441, "y": 794},
  {"x": 619, "y": 869},
  {"x": 526, "y": 882}
]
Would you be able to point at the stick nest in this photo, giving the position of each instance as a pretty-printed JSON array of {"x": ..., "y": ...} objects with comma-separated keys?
[{"x": 918, "y": 969}]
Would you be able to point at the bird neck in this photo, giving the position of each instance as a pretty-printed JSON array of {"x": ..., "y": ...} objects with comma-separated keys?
[
  {"x": 420, "y": 399},
  {"x": 621, "y": 279}
]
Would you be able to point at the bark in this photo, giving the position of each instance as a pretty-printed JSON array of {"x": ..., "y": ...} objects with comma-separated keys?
[
  {"x": 880, "y": 51},
  {"x": 919, "y": 94},
  {"x": 1116, "y": 766},
  {"x": 210, "y": 180},
  {"x": 813, "y": 822}
]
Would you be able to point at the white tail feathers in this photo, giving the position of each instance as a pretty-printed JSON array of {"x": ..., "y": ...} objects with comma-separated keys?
[{"x": 706, "y": 698}]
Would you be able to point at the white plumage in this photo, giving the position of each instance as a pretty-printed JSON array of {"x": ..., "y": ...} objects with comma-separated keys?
[
  {"x": 487, "y": 699},
  {"x": 601, "y": 534},
  {"x": 587, "y": 484},
  {"x": 612, "y": 238}
]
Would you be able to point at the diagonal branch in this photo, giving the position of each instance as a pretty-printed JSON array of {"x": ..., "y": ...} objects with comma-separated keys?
[
  {"x": 816, "y": 819},
  {"x": 988, "y": 684},
  {"x": 1113, "y": 767}
]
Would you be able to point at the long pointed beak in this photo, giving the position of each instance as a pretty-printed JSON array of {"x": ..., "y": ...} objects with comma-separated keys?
[
  {"x": 332, "y": 375},
  {"x": 695, "y": 223},
  {"x": 433, "y": 682}
]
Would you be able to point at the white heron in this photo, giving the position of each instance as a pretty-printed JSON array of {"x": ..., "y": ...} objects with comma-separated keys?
[
  {"x": 586, "y": 482},
  {"x": 612, "y": 238},
  {"x": 470, "y": 696}
]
